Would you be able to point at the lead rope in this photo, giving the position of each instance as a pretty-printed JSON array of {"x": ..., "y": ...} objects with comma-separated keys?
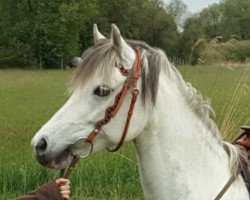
[
  {"x": 233, "y": 178},
  {"x": 64, "y": 173},
  {"x": 225, "y": 188}
]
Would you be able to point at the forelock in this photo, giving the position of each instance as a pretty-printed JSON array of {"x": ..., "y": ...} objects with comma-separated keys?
[{"x": 100, "y": 58}]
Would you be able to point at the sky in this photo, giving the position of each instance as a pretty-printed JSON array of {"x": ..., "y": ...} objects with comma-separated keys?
[{"x": 197, "y": 5}]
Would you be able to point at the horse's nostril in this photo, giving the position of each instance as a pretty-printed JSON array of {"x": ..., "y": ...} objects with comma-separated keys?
[{"x": 41, "y": 146}]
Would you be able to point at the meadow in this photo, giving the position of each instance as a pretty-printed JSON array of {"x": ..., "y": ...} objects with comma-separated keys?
[{"x": 28, "y": 98}]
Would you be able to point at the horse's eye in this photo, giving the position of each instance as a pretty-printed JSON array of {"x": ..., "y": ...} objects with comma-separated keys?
[{"x": 102, "y": 91}]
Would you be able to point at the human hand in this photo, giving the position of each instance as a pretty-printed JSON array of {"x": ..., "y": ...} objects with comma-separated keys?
[{"x": 64, "y": 186}]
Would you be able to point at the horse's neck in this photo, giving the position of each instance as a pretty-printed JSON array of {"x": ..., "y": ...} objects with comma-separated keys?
[{"x": 178, "y": 157}]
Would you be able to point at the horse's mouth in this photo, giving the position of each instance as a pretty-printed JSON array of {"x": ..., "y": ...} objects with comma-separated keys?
[{"x": 62, "y": 161}]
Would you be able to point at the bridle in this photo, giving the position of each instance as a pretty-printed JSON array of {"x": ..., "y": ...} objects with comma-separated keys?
[{"x": 131, "y": 83}]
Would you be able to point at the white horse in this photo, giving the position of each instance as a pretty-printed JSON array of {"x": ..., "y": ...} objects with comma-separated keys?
[{"x": 180, "y": 152}]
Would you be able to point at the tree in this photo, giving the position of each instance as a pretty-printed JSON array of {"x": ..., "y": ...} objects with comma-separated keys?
[
  {"x": 145, "y": 20},
  {"x": 44, "y": 32},
  {"x": 211, "y": 20},
  {"x": 179, "y": 11},
  {"x": 192, "y": 32},
  {"x": 236, "y": 18}
]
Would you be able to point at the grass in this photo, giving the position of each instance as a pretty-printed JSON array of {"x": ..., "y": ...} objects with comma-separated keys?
[
  {"x": 29, "y": 98},
  {"x": 229, "y": 92}
]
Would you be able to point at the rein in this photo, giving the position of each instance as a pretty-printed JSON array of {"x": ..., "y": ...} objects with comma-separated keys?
[
  {"x": 242, "y": 141},
  {"x": 133, "y": 76}
]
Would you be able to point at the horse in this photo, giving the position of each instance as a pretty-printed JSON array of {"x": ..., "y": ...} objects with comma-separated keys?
[{"x": 180, "y": 151}]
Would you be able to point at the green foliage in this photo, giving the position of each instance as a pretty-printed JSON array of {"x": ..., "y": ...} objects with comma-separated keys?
[
  {"x": 236, "y": 18},
  {"x": 232, "y": 51},
  {"x": 43, "y": 32},
  {"x": 178, "y": 10},
  {"x": 225, "y": 20},
  {"x": 48, "y": 33},
  {"x": 143, "y": 20},
  {"x": 160, "y": 30},
  {"x": 191, "y": 34},
  {"x": 211, "y": 20}
]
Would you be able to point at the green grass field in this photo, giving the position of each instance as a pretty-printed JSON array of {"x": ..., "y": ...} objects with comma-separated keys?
[{"x": 29, "y": 98}]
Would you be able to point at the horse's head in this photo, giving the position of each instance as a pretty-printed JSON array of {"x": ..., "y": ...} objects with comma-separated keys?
[{"x": 95, "y": 85}]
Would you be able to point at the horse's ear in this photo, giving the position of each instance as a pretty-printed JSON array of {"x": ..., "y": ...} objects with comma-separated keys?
[
  {"x": 97, "y": 35},
  {"x": 119, "y": 43}
]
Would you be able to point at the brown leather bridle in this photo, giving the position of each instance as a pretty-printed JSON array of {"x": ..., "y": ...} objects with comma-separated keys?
[{"x": 131, "y": 83}]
